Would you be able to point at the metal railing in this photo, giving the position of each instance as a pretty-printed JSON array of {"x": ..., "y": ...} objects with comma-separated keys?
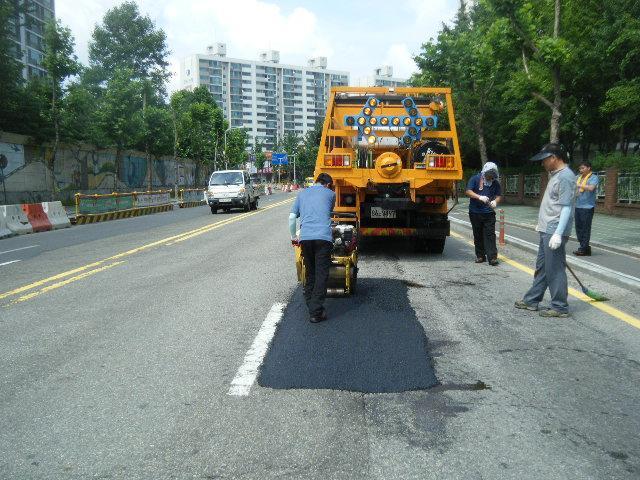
[
  {"x": 629, "y": 188},
  {"x": 511, "y": 184},
  {"x": 532, "y": 185},
  {"x": 602, "y": 180}
]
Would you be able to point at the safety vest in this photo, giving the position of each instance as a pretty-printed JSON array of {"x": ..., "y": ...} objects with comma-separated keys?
[{"x": 581, "y": 181}]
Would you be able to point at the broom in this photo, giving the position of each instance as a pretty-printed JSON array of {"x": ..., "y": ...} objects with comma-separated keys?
[{"x": 595, "y": 296}]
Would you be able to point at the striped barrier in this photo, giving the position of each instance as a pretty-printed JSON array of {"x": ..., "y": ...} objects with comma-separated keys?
[
  {"x": 100, "y": 208},
  {"x": 15, "y": 219},
  {"x": 4, "y": 228},
  {"x": 191, "y": 197},
  {"x": 134, "y": 212},
  {"x": 36, "y": 216},
  {"x": 56, "y": 214}
]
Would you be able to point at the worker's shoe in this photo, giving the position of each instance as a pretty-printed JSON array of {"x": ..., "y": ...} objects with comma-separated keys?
[
  {"x": 480, "y": 259},
  {"x": 493, "y": 262},
  {"x": 321, "y": 317},
  {"x": 521, "y": 304},
  {"x": 550, "y": 312},
  {"x": 582, "y": 253}
]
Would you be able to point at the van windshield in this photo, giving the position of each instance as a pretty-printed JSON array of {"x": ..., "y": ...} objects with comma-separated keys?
[{"x": 226, "y": 178}]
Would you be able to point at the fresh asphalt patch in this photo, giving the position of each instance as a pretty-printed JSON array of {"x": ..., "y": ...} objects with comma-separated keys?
[{"x": 372, "y": 342}]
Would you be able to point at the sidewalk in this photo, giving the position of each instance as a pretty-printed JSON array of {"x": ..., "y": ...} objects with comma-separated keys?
[{"x": 608, "y": 232}]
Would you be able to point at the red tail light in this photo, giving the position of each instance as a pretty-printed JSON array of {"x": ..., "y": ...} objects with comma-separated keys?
[
  {"x": 433, "y": 200},
  {"x": 337, "y": 160}
]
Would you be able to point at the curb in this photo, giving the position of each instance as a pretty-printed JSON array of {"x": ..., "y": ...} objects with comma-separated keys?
[
  {"x": 619, "y": 278},
  {"x": 84, "y": 219}
]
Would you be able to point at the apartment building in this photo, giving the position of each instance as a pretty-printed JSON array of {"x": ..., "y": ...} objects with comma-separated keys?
[
  {"x": 28, "y": 35},
  {"x": 383, "y": 77},
  {"x": 264, "y": 96}
]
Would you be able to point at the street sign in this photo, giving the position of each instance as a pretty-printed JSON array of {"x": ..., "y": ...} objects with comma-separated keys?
[{"x": 279, "y": 159}]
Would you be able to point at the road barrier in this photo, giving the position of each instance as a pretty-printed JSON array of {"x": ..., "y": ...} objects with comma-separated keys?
[
  {"x": 191, "y": 197},
  {"x": 15, "y": 219},
  {"x": 4, "y": 229},
  {"x": 56, "y": 214},
  {"x": 99, "y": 208},
  {"x": 36, "y": 216}
]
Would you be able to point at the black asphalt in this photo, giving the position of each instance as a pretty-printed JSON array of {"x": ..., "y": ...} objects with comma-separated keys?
[{"x": 371, "y": 343}]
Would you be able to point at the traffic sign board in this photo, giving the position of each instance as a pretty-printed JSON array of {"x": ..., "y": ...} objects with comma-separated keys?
[{"x": 279, "y": 159}]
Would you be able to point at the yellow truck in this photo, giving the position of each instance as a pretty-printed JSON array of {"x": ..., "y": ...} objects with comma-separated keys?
[{"x": 394, "y": 157}]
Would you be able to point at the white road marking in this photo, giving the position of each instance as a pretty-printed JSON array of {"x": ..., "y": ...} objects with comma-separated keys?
[
  {"x": 18, "y": 249},
  {"x": 8, "y": 263},
  {"x": 248, "y": 371}
]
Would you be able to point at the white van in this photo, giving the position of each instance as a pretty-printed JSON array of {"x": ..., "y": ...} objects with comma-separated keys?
[{"x": 229, "y": 189}]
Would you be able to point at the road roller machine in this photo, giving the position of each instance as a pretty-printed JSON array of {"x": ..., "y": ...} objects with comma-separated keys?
[{"x": 343, "y": 273}]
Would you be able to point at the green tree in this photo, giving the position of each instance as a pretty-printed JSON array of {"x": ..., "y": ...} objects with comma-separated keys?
[
  {"x": 60, "y": 63},
  {"x": 126, "y": 39},
  {"x": 463, "y": 58},
  {"x": 78, "y": 116},
  {"x": 156, "y": 135},
  {"x": 117, "y": 117},
  {"x": 258, "y": 154},
  {"x": 544, "y": 51},
  {"x": 308, "y": 151},
  {"x": 236, "y": 151},
  {"x": 197, "y": 135}
]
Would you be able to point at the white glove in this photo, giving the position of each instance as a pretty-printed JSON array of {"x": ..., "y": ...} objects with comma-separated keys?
[
  {"x": 483, "y": 199},
  {"x": 555, "y": 241},
  {"x": 493, "y": 204}
]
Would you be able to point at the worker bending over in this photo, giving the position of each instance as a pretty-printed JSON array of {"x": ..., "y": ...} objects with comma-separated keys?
[{"x": 313, "y": 206}]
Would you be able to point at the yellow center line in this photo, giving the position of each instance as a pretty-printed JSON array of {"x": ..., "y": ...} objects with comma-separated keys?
[
  {"x": 188, "y": 234},
  {"x": 54, "y": 286},
  {"x": 614, "y": 312}
]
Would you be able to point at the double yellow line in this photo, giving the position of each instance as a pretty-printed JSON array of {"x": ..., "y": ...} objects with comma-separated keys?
[
  {"x": 85, "y": 271},
  {"x": 614, "y": 312}
]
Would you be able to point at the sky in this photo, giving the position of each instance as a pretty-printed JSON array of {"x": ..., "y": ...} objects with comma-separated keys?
[{"x": 356, "y": 36}]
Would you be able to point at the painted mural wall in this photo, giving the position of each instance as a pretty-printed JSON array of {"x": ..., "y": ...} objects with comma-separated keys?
[{"x": 83, "y": 168}]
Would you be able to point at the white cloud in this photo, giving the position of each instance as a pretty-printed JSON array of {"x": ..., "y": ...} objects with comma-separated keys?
[{"x": 330, "y": 28}]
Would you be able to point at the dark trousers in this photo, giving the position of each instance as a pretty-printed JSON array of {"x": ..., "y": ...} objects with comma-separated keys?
[
  {"x": 584, "y": 218},
  {"x": 317, "y": 261},
  {"x": 484, "y": 234}
]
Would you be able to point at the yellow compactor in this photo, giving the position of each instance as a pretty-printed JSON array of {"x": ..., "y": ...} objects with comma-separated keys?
[
  {"x": 343, "y": 273},
  {"x": 394, "y": 158}
]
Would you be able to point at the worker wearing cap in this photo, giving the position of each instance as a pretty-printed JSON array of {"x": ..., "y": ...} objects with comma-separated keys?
[
  {"x": 554, "y": 226},
  {"x": 484, "y": 194},
  {"x": 313, "y": 206}
]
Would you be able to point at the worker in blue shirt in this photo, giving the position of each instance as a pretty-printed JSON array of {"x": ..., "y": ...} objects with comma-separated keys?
[
  {"x": 484, "y": 194},
  {"x": 313, "y": 206},
  {"x": 586, "y": 188}
]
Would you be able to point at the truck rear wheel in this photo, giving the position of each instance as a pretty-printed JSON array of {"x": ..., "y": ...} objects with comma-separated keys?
[{"x": 436, "y": 245}]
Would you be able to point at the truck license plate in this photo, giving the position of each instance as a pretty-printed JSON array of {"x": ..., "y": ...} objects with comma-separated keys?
[
  {"x": 379, "y": 212},
  {"x": 225, "y": 199}
]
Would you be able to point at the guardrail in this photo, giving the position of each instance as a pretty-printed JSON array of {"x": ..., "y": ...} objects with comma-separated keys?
[
  {"x": 191, "y": 197},
  {"x": 628, "y": 188},
  {"x": 96, "y": 208}
]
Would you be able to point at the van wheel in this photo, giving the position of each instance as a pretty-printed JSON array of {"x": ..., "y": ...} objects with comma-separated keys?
[{"x": 214, "y": 210}]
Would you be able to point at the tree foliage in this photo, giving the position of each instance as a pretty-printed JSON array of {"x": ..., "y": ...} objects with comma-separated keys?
[{"x": 525, "y": 71}]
